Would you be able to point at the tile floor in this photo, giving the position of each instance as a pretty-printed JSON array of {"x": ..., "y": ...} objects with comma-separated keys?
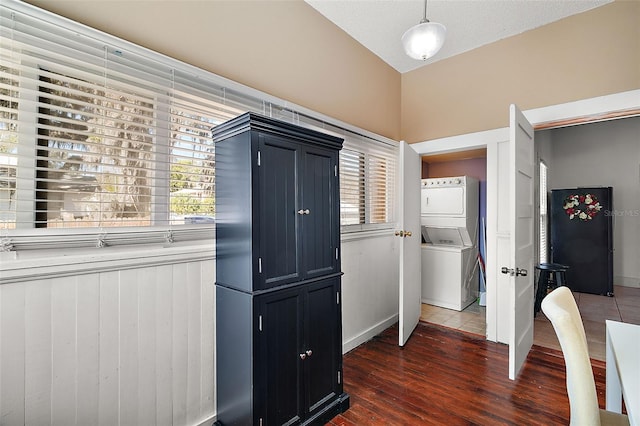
[{"x": 624, "y": 306}]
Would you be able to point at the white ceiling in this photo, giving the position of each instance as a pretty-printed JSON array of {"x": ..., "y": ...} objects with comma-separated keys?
[{"x": 379, "y": 24}]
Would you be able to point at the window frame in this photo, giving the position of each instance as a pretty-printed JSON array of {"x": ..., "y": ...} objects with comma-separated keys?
[{"x": 235, "y": 96}]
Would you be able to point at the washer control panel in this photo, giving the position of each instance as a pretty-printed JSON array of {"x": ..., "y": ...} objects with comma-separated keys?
[{"x": 443, "y": 182}]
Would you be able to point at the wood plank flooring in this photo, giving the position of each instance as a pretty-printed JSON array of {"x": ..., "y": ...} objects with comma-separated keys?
[{"x": 448, "y": 377}]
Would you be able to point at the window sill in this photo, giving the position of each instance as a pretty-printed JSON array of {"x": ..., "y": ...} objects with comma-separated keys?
[
  {"x": 361, "y": 232},
  {"x": 17, "y": 267}
]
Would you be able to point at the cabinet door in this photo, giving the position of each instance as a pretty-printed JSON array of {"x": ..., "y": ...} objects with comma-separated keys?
[
  {"x": 323, "y": 344},
  {"x": 278, "y": 364},
  {"x": 320, "y": 205},
  {"x": 279, "y": 259}
]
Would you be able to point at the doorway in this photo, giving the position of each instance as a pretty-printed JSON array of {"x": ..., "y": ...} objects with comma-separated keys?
[
  {"x": 601, "y": 154},
  {"x": 607, "y": 107},
  {"x": 627, "y": 297},
  {"x": 472, "y": 163}
]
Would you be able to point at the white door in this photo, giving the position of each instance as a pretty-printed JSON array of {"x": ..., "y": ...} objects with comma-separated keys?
[
  {"x": 410, "y": 268},
  {"x": 521, "y": 250}
]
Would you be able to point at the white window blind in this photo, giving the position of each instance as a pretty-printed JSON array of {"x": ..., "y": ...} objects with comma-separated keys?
[
  {"x": 544, "y": 215},
  {"x": 98, "y": 133},
  {"x": 367, "y": 186},
  {"x": 113, "y": 138}
]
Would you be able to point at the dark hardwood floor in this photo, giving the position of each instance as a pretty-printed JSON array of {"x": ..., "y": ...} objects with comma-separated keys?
[{"x": 448, "y": 377}]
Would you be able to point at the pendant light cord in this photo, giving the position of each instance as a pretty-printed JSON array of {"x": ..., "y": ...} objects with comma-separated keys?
[{"x": 424, "y": 16}]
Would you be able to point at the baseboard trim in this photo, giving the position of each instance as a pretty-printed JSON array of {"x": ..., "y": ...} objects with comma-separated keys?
[
  {"x": 208, "y": 422},
  {"x": 626, "y": 281},
  {"x": 368, "y": 334}
]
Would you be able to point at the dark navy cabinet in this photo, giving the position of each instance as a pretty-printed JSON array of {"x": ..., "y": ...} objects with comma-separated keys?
[{"x": 278, "y": 278}]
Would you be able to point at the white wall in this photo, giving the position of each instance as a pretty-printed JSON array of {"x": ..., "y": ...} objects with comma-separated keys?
[
  {"x": 369, "y": 286},
  {"x": 121, "y": 337},
  {"x": 605, "y": 154},
  {"x": 543, "y": 148}
]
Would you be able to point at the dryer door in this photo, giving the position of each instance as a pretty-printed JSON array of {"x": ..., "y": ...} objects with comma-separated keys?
[{"x": 448, "y": 201}]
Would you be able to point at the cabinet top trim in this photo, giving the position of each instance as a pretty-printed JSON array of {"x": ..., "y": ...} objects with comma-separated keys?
[{"x": 253, "y": 121}]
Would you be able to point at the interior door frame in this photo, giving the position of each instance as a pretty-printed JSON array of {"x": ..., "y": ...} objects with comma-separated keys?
[{"x": 603, "y": 108}]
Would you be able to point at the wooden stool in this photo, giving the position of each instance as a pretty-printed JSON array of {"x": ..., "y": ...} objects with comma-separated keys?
[{"x": 551, "y": 275}]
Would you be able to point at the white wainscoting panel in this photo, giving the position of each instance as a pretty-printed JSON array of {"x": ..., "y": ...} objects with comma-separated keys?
[
  {"x": 130, "y": 343},
  {"x": 369, "y": 286},
  {"x": 122, "y": 347},
  {"x": 12, "y": 354}
]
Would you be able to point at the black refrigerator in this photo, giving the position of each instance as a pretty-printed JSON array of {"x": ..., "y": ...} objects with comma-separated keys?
[{"x": 582, "y": 237}]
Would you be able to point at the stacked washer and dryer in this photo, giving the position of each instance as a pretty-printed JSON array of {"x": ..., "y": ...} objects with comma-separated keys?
[{"x": 449, "y": 225}]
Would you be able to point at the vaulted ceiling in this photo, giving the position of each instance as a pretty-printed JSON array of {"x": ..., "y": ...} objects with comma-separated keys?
[{"x": 379, "y": 24}]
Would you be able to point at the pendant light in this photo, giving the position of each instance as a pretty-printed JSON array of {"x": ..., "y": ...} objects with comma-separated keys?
[{"x": 424, "y": 40}]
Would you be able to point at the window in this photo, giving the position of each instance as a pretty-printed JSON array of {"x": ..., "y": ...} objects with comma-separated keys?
[
  {"x": 544, "y": 215},
  {"x": 98, "y": 133},
  {"x": 352, "y": 188},
  {"x": 94, "y": 155},
  {"x": 367, "y": 172},
  {"x": 8, "y": 145},
  {"x": 112, "y": 144}
]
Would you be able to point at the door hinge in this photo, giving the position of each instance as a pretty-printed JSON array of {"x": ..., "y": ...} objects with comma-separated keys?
[
  {"x": 259, "y": 166},
  {"x": 259, "y": 322},
  {"x": 337, "y": 253},
  {"x": 337, "y": 297},
  {"x": 335, "y": 170},
  {"x": 259, "y": 265},
  {"x": 339, "y": 378}
]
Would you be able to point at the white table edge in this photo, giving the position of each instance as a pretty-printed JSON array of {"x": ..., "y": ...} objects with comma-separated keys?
[{"x": 615, "y": 391}]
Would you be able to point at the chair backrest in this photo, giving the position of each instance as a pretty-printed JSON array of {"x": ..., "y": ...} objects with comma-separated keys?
[{"x": 561, "y": 309}]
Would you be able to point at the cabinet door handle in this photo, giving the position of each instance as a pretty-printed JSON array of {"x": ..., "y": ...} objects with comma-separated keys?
[
  {"x": 303, "y": 356},
  {"x": 309, "y": 352},
  {"x": 306, "y": 211}
]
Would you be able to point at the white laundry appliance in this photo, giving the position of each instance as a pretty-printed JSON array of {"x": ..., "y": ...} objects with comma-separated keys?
[{"x": 449, "y": 224}]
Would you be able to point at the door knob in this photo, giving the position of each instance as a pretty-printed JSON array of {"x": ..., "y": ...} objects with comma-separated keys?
[
  {"x": 306, "y": 211},
  {"x": 303, "y": 356},
  {"x": 517, "y": 271},
  {"x": 403, "y": 233},
  {"x": 309, "y": 352},
  {"x": 508, "y": 271}
]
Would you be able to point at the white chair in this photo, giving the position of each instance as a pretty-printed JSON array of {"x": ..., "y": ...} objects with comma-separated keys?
[{"x": 561, "y": 309}]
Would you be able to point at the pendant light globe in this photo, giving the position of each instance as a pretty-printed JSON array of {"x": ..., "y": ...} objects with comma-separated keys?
[{"x": 424, "y": 40}]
